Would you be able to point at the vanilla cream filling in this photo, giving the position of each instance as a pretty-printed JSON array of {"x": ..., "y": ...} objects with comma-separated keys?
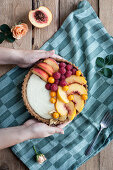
[{"x": 38, "y": 97}]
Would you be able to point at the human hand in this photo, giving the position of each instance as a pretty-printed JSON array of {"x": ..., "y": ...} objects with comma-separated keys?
[
  {"x": 29, "y": 57},
  {"x": 41, "y": 130}
]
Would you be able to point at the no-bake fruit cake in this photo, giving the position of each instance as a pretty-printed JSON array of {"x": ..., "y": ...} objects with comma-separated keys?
[{"x": 54, "y": 91}]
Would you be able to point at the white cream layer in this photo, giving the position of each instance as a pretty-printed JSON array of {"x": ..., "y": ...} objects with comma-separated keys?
[{"x": 38, "y": 97}]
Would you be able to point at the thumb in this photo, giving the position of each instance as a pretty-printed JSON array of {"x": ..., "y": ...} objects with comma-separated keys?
[{"x": 56, "y": 130}]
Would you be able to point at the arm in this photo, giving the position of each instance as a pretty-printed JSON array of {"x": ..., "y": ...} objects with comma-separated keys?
[{"x": 29, "y": 130}]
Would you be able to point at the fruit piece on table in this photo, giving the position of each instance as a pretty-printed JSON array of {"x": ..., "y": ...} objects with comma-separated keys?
[
  {"x": 76, "y": 88},
  {"x": 70, "y": 97},
  {"x": 54, "y": 87},
  {"x": 84, "y": 96},
  {"x": 78, "y": 73},
  {"x": 52, "y": 93},
  {"x": 40, "y": 17},
  {"x": 52, "y": 63},
  {"x": 47, "y": 68},
  {"x": 53, "y": 100},
  {"x": 71, "y": 110},
  {"x": 61, "y": 94},
  {"x": 55, "y": 115},
  {"x": 65, "y": 88},
  {"x": 42, "y": 74},
  {"x": 51, "y": 80},
  {"x": 60, "y": 108},
  {"x": 75, "y": 79},
  {"x": 79, "y": 102}
]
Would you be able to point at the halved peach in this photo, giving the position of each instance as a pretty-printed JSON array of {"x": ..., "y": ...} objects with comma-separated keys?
[
  {"x": 47, "y": 68},
  {"x": 40, "y": 17},
  {"x": 79, "y": 102},
  {"x": 76, "y": 88},
  {"x": 61, "y": 94},
  {"x": 42, "y": 74},
  {"x": 75, "y": 79},
  {"x": 52, "y": 63},
  {"x": 71, "y": 110},
  {"x": 60, "y": 108}
]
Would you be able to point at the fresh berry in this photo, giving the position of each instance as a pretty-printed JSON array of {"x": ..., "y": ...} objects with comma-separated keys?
[
  {"x": 52, "y": 93},
  {"x": 55, "y": 115},
  {"x": 70, "y": 97},
  {"x": 51, "y": 80},
  {"x": 65, "y": 88},
  {"x": 62, "y": 64},
  {"x": 69, "y": 67},
  {"x": 53, "y": 100},
  {"x": 74, "y": 71},
  {"x": 62, "y": 77},
  {"x": 56, "y": 75},
  {"x": 62, "y": 83},
  {"x": 57, "y": 82},
  {"x": 48, "y": 86},
  {"x": 68, "y": 73},
  {"x": 54, "y": 87},
  {"x": 78, "y": 73},
  {"x": 84, "y": 97},
  {"x": 62, "y": 70}
]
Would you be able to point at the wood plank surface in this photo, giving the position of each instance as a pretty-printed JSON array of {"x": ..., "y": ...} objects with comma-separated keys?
[{"x": 17, "y": 10}]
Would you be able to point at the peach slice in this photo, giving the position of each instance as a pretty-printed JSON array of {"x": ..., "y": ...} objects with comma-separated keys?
[
  {"x": 71, "y": 110},
  {"x": 47, "y": 68},
  {"x": 76, "y": 88},
  {"x": 42, "y": 74},
  {"x": 40, "y": 17},
  {"x": 52, "y": 63},
  {"x": 79, "y": 102},
  {"x": 63, "y": 118},
  {"x": 61, "y": 94},
  {"x": 60, "y": 108},
  {"x": 75, "y": 79}
]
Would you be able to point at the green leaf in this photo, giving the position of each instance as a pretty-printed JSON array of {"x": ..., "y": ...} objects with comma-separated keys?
[
  {"x": 10, "y": 38},
  {"x": 5, "y": 28},
  {"x": 2, "y": 37},
  {"x": 109, "y": 59},
  {"x": 106, "y": 72},
  {"x": 100, "y": 62}
]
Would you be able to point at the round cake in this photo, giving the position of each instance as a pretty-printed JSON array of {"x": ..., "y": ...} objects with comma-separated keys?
[{"x": 54, "y": 91}]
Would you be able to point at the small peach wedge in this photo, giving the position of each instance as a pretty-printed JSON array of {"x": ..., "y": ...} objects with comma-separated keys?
[
  {"x": 47, "y": 68},
  {"x": 52, "y": 63},
  {"x": 42, "y": 74}
]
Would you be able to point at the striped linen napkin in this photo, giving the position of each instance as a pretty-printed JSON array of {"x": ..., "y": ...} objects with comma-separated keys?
[{"x": 81, "y": 39}]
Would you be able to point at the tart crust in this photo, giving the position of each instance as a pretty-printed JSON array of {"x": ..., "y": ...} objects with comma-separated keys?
[{"x": 30, "y": 109}]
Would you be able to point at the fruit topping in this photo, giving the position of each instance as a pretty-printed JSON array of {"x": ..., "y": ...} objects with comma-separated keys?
[
  {"x": 78, "y": 73},
  {"x": 55, "y": 115},
  {"x": 61, "y": 94},
  {"x": 51, "y": 80},
  {"x": 84, "y": 97},
  {"x": 73, "y": 88},
  {"x": 62, "y": 70},
  {"x": 79, "y": 102},
  {"x": 56, "y": 75},
  {"x": 53, "y": 100},
  {"x": 62, "y": 83},
  {"x": 62, "y": 64},
  {"x": 62, "y": 118},
  {"x": 62, "y": 77},
  {"x": 47, "y": 68},
  {"x": 74, "y": 71},
  {"x": 54, "y": 87},
  {"x": 68, "y": 74},
  {"x": 65, "y": 88},
  {"x": 69, "y": 67},
  {"x": 70, "y": 97},
  {"x": 48, "y": 86},
  {"x": 57, "y": 82},
  {"x": 52, "y": 93},
  {"x": 60, "y": 108},
  {"x": 75, "y": 79},
  {"x": 71, "y": 110},
  {"x": 52, "y": 63},
  {"x": 42, "y": 74},
  {"x": 40, "y": 17}
]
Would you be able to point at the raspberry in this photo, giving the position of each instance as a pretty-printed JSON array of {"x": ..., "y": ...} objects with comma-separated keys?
[
  {"x": 62, "y": 83},
  {"x": 57, "y": 82},
  {"x": 54, "y": 87},
  {"x": 62, "y": 77},
  {"x": 57, "y": 75},
  {"x": 69, "y": 67},
  {"x": 68, "y": 73},
  {"x": 74, "y": 71},
  {"x": 48, "y": 86},
  {"x": 62, "y": 70},
  {"x": 62, "y": 64}
]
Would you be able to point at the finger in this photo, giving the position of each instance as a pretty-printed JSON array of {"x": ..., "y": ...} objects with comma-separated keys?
[
  {"x": 64, "y": 124},
  {"x": 47, "y": 54},
  {"x": 30, "y": 121},
  {"x": 53, "y": 130},
  {"x": 57, "y": 56}
]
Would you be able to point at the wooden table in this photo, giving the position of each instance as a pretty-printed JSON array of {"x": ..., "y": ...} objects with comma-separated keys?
[{"x": 12, "y": 11}]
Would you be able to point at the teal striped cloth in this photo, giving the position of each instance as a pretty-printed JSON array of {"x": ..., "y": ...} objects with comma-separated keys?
[{"x": 81, "y": 39}]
